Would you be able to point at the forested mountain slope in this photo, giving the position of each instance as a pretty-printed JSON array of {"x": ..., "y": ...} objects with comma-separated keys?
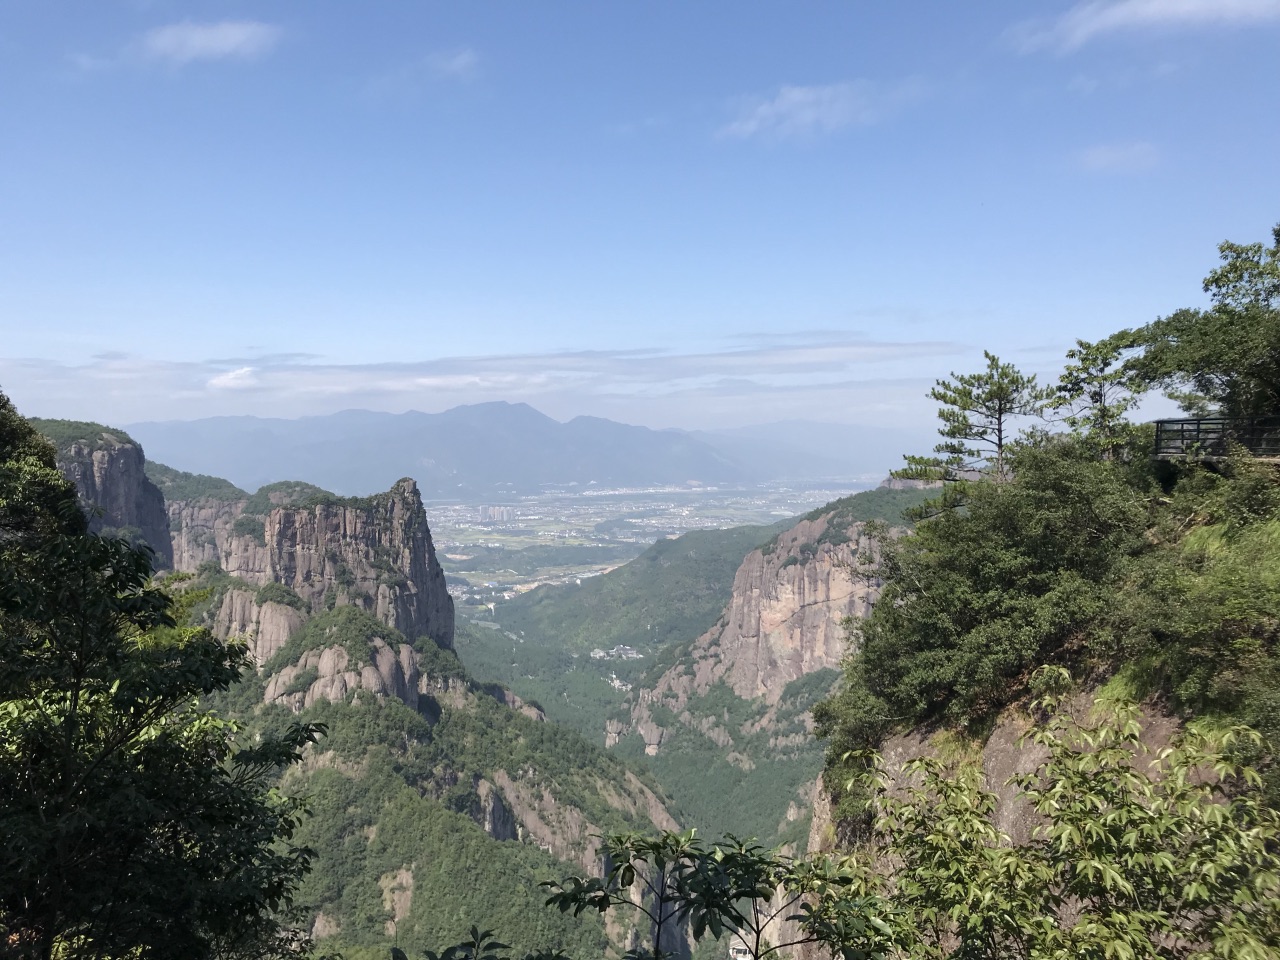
[
  {"x": 432, "y": 796},
  {"x": 671, "y": 593},
  {"x": 724, "y": 716}
]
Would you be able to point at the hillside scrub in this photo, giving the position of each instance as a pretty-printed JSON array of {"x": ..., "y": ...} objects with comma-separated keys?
[
  {"x": 181, "y": 485},
  {"x": 1088, "y": 553},
  {"x": 64, "y": 434},
  {"x": 1171, "y": 857}
]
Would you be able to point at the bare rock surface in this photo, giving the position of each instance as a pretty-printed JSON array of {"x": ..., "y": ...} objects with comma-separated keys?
[
  {"x": 786, "y": 619},
  {"x": 266, "y": 627},
  {"x": 331, "y": 674},
  {"x": 109, "y": 479},
  {"x": 373, "y": 552}
]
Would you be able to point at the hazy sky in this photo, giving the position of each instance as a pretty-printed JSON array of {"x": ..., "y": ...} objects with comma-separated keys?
[{"x": 690, "y": 214}]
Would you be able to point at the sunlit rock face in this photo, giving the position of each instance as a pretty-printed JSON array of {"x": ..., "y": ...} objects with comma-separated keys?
[
  {"x": 785, "y": 619},
  {"x": 372, "y": 552}
]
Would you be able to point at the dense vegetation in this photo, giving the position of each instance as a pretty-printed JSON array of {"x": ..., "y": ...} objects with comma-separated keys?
[
  {"x": 132, "y": 822},
  {"x": 882, "y": 505},
  {"x": 672, "y": 591},
  {"x": 747, "y": 786},
  {"x": 1085, "y": 551},
  {"x": 180, "y": 485},
  {"x": 286, "y": 493},
  {"x": 394, "y": 793},
  {"x": 65, "y": 433},
  {"x": 1132, "y": 860}
]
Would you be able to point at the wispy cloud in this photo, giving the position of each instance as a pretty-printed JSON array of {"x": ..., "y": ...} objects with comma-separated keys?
[
  {"x": 241, "y": 378},
  {"x": 406, "y": 81},
  {"x": 1097, "y": 18},
  {"x": 796, "y": 111},
  {"x": 739, "y": 382},
  {"x": 460, "y": 64},
  {"x": 187, "y": 42},
  {"x": 1131, "y": 157}
]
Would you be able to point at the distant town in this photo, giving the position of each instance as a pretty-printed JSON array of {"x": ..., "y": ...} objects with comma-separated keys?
[{"x": 494, "y": 551}]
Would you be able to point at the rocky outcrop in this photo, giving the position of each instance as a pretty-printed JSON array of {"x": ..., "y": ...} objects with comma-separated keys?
[
  {"x": 373, "y": 552},
  {"x": 200, "y": 530},
  {"x": 331, "y": 674},
  {"x": 901, "y": 483},
  {"x": 786, "y": 619},
  {"x": 108, "y": 475},
  {"x": 491, "y": 812},
  {"x": 264, "y": 627},
  {"x": 563, "y": 830}
]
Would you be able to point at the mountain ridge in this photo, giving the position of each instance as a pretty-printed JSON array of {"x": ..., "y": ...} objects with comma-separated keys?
[{"x": 479, "y": 450}]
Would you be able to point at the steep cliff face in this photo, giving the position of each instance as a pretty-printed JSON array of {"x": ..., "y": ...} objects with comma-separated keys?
[
  {"x": 372, "y": 552},
  {"x": 727, "y": 721},
  {"x": 784, "y": 621},
  {"x": 107, "y": 469},
  {"x": 1003, "y": 755},
  {"x": 788, "y": 609}
]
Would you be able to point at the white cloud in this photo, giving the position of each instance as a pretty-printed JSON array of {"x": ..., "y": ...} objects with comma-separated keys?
[
  {"x": 1132, "y": 157},
  {"x": 406, "y": 81},
  {"x": 241, "y": 378},
  {"x": 460, "y": 64},
  {"x": 1088, "y": 21},
  {"x": 761, "y": 379},
  {"x": 805, "y": 111},
  {"x": 187, "y": 42}
]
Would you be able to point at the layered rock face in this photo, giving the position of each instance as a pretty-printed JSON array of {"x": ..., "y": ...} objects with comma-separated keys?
[
  {"x": 109, "y": 478},
  {"x": 785, "y": 620},
  {"x": 265, "y": 627},
  {"x": 329, "y": 674},
  {"x": 373, "y": 552}
]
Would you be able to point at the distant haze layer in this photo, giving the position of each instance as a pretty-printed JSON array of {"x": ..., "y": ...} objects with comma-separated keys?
[{"x": 490, "y": 448}]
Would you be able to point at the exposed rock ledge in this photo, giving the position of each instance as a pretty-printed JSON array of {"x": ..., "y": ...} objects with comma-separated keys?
[{"x": 329, "y": 674}]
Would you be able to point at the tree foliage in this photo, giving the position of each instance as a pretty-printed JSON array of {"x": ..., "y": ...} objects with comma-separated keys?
[
  {"x": 980, "y": 413},
  {"x": 131, "y": 822},
  {"x": 976, "y": 598},
  {"x": 766, "y": 902},
  {"x": 1224, "y": 360},
  {"x": 1095, "y": 392},
  {"x": 1167, "y": 857},
  {"x": 1132, "y": 856}
]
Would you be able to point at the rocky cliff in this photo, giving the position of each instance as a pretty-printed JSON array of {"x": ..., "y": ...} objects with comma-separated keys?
[
  {"x": 726, "y": 719},
  {"x": 786, "y": 619},
  {"x": 492, "y": 757},
  {"x": 371, "y": 552},
  {"x": 107, "y": 468}
]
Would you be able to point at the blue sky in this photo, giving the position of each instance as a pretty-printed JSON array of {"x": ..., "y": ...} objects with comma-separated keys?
[{"x": 673, "y": 214}]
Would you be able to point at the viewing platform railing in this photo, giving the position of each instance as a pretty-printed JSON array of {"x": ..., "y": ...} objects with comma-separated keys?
[{"x": 1211, "y": 438}]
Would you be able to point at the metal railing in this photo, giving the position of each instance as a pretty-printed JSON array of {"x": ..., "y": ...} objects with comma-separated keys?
[{"x": 1211, "y": 438}]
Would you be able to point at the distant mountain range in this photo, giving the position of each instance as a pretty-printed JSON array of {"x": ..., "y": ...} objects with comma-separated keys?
[{"x": 487, "y": 449}]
